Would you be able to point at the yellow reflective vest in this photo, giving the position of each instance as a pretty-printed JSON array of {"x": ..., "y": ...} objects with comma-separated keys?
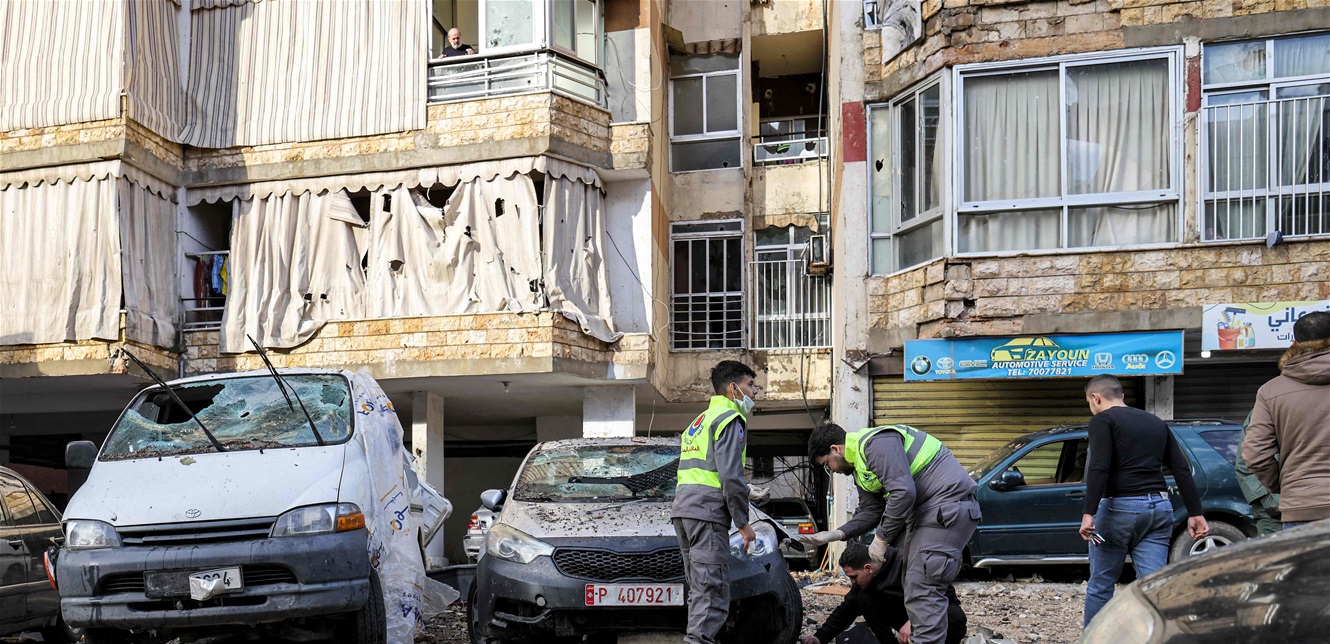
[
  {"x": 920, "y": 448},
  {"x": 697, "y": 461}
]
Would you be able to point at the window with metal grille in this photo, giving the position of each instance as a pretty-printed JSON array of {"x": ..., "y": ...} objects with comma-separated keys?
[
  {"x": 791, "y": 309},
  {"x": 1265, "y": 138},
  {"x": 707, "y": 302}
]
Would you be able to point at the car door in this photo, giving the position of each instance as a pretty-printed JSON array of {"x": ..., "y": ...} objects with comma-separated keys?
[
  {"x": 42, "y": 598},
  {"x": 13, "y": 557},
  {"x": 1043, "y": 516}
]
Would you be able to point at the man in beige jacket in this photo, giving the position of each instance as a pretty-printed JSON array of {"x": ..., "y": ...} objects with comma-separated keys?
[{"x": 1288, "y": 443}]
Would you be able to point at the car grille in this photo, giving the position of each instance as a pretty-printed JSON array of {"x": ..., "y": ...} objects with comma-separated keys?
[
  {"x": 253, "y": 575},
  {"x": 600, "y": 565},
  {"x": 189, "y": 534}
]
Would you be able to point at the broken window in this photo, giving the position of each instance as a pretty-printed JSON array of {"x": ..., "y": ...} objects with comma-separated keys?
[
  {"x": 708, "y": 296},
  {"x": 241, "y": 413},
  {"x": 908, "y": 228},
  {"x": 599, "y": 473},
  {"x": 704, "y": 113}
]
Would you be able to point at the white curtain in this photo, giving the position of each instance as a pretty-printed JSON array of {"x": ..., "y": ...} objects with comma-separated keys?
[
  {"x": 154, "y": 88},
  {"x": 60, "y": 62},
  {"x": 147, "y": 237},
  {"x": 573, "y": 241}
]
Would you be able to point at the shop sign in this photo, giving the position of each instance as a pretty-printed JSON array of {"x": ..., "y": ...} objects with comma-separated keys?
[
  {"x": 1149, "y": 353},
  {"x": 1254, "y": 325}
]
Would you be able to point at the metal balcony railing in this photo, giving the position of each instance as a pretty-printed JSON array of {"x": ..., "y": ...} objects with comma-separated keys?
[
  {"x": 1267, "y": 168},
  {"x": 203, "y": 307},
  {"x": 790, "y": 140},
  {"x": 791, "y": 309},
  {"x": 481, "y": 76}
]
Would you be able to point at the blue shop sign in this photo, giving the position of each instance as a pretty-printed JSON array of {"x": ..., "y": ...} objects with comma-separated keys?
[{"x": 1151, "y": 353}]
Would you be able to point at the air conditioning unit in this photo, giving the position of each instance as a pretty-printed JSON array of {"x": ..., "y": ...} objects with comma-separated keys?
[{"x": 818, "y": 256}]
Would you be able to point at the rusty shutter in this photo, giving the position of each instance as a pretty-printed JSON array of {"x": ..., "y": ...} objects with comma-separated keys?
[
  {"x": 1220, "y": 390},
  {"x": 974, "y": 418}
]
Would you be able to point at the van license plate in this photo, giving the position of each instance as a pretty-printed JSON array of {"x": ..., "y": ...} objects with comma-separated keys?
[
  {"x": 634, "y": 594},
  {"x": 230, "y": 577}
]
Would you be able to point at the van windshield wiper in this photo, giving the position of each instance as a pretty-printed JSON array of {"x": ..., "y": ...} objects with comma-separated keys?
[
  {"x": 160, "y": 383},
  {"x": 282, "y": 387}
]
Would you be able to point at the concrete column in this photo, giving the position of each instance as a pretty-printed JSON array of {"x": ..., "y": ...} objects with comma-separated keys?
[
  {"x": 1159, "y": 396},
  {"x": 609, "y": 411},
  {"x": 427, "y": 447}
]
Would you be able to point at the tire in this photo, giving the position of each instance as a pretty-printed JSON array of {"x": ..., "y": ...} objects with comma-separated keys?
[
  {"x": 472, "y": 628},
  {"x": 793, "y": 604},
  {"x": 1221, "y": 535},
  {"x": 370, "y": 625}
]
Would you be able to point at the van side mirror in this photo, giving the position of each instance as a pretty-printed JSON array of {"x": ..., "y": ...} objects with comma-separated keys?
[
  {"x": 493, "y": 499},
  {"x": 1009, "y": 480},
  {"x": 80, "y": 455}
]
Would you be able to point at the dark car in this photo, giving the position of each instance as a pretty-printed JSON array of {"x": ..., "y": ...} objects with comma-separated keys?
[
  {"x": 792, "y": 513},
  {"x": 582, "y": 544},
  {"x": 29, "y": 524},
  {"x": 1032, "y": 492},
  {"x": 1272, "y": 589}
]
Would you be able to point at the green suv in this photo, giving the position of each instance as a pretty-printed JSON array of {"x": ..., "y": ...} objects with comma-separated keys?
[{"x": 1032, "y": 491}]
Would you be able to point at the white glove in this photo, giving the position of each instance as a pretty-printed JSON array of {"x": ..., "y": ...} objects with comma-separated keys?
[
  {"x": 878, "y": 551},
  {"x": 821, "y": 538},
  {"x": 758, "y": 494}
]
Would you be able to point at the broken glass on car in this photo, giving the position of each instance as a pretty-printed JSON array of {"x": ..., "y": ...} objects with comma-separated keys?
[
  {"x": 243, "y": 413},
  {"x": 600, "y": 473}
]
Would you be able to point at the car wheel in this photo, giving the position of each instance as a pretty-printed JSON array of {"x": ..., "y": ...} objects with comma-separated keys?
[
  {"x": 1221, "y": 535},
  {"x": 793, "y": 605},
  {"x": 472, "y": 621},
  {"x": 370, "y": 625}
]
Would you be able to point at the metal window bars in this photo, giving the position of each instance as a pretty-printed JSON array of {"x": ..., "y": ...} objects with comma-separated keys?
[
  {"x": 473, "y": 77},
  {"x": 790, "y": 140},
  {"x": 791, "y": 309},
  {"x": 1267, "y": 168},
  {"x": 204, "y": 312}
]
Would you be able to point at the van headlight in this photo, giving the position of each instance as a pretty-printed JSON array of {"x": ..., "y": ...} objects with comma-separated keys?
[
  {"x": 764, "y": 544},
  {"x": 511, "y": 544},
  {"x": 319, "y": 519},
  {"x": 1128, "y": 617},
  {"x": 82, "y": 534}
]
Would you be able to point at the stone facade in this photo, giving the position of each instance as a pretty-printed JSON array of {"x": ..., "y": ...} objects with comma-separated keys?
[
  {"x": 60, "y": 135},
  {"x": 82, "y": 358},
  {"x": 630, "y": 146},
  {"x": 779, "y": 376}
]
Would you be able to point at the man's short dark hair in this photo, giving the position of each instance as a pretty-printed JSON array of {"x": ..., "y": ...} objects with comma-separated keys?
[
  {"x": 826, "y": 435},
  {"x": 1311, "y": 327},
  {"x": 855, "y": 556},
  {"x": 1105, "y": 385},
  {"x": 728, "y": 371}
]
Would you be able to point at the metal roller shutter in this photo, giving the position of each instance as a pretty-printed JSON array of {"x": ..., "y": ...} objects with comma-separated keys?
[
  {"x": 974, "y": 418},
  {"x": 1220, "y": 390}
]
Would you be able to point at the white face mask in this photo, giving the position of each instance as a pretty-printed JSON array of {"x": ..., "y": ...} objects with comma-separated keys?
[{"x": 747, "y": 404}]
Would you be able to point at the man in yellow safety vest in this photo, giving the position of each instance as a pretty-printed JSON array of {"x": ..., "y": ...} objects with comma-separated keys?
[
  {"x": 712, "y": 494},
  {"x": 909, "y": 485}
]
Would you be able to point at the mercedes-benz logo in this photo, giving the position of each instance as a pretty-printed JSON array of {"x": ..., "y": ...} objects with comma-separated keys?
[
  {"x": 192, "y": 513},
  {"x": 1165, "y": 359}
]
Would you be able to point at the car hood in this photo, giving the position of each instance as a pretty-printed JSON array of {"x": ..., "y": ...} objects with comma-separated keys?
[
  {"x": 608, "y": 519},
  {"x": 208, "y": 487}
]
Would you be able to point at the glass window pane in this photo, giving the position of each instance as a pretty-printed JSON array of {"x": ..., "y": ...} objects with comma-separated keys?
[
  {"x": 907, "y": 133},
  {"x": 18, "y": 503},
  {"x": 564, "y": 25},
  {"x": 699, "y": 267},
  {"x": 881, "y": 256},
  {"x": 734, "y": 270},
  {"x": 1003, "y": 231},
  {"x": 1118, "y": 127},
  {"x": 586, "y": 18},
  {"x": 508, "y": 23},
  {"x": 773, "y": 236},
  {"x": 1233, "y": 62},
  {"x": 705, "y": 155},
  {"x": 1302, "y": 123},
  {"x": 930, "y": 115},
  {"x": 919, "y": 245},
  {"x": 879, "y": 170},
  {"x": 680, "y": 65},
  {"x": 1040, "y": 465},
  {"x": 686, "y": 103},
  {"x": 707, "y": 227},
  {"x": 1227, "y": 443},
  {"x": 1121, "y": 225},
  {"x": 1304, "y": 56},
  {"x": 1236, "y": 136},
  {"x": 1305, "y": 214},
  {"x": 716, "y": 266},
  {"x": 1011, "y": 136},
  {"x": 681, "y": 260},
  {"x": 722, "y": 108},
  {"x": 1242, "y": 218}
]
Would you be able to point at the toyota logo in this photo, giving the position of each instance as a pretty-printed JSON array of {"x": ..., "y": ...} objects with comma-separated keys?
[{"x": 192, "y": 513}]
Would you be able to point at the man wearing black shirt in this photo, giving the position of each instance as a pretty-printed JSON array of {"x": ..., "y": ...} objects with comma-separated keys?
[
  {"x": 454, "y": 46},
  {"x": 1126, "y": 499},
  {"x": 878, "y": 596}
]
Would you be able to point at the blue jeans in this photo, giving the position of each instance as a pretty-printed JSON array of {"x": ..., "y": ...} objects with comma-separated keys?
[{"x": 1140, "y": 525}]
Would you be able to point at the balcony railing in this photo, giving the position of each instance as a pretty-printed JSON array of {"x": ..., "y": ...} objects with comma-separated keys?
[
  {"x": 204, "y": 305},
  {"x": 480, "y": 76},
  {"x": 791, "y": 309},
  {"x": 790, "y": 140},
  {"x": 1267, "y": 168}
]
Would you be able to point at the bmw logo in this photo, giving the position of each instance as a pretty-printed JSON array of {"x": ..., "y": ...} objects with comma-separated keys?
[
  {"x": 192, "y": 513},
  {"x": 921, "y": 365}
]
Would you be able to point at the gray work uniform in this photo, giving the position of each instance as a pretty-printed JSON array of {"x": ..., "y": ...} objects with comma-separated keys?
[
  {"x": 936, "y": 513},
  {"x": 702, "y": 516}
]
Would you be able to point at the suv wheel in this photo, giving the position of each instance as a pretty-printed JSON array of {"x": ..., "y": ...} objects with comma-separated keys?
[
  {"x": 370, "y": 624},
  {"x": 1221, "y": 534}
]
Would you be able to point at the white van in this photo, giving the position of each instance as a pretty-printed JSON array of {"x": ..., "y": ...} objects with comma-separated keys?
[{"x": 245, "y": 511}]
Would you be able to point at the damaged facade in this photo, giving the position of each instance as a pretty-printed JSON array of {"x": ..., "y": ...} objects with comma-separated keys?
[{"x": 553, "y": 238}]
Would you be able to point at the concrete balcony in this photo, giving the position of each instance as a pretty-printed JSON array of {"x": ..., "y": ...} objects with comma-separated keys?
[
  {"x": 783, "y": 381},
  {"x": 85, "y": 358},
  {"x": 630, "y": 146}
]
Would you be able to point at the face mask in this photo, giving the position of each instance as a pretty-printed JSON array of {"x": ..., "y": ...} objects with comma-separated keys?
[{"x": 746, "y": 404}]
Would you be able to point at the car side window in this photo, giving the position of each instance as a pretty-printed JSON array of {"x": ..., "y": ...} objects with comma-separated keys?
[
  {"x": 1074, "y": 455},
  {"x": 1039, "y": 466},
  {"x": 18, "y": 502},
  {"x": 1225, "y": 441},
  {"x": 45, "y": 513}
]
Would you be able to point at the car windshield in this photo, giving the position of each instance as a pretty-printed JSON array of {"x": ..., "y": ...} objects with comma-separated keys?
[
  {"x": 983, "y": 467},
  {"x": 598, "y": 473},
  {"x": 242, "y": 413}
]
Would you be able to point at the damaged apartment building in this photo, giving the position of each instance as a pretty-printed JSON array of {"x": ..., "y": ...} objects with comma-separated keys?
[{"x": 557, "y": 236}]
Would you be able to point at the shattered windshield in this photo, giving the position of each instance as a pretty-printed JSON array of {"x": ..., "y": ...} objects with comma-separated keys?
[
  {"x": 243, "y": 413},
  {"x": 599, "y": 473}
]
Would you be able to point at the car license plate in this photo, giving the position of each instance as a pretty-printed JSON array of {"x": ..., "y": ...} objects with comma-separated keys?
[
  {"x": 231, "y": 580},
  {"x": 634, "y": 594}
]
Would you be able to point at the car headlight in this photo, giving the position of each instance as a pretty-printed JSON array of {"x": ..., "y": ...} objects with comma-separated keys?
[
  {"x": 509, "y": 543},
  {"x": 86, "y": 535},
  {"x": 765, "y": 543},
  {"x": 319, "y": 519},
  {"x": 1128, "y": 617}
]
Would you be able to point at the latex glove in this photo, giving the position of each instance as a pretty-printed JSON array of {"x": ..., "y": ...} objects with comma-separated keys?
[
  {"x": 821, "y": 538},
  {"x": 758, "y": 494},
  {"x": 878, "y": 551}
]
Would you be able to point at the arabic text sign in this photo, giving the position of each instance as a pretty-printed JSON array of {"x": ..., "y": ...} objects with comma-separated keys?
[
  {"x": 1254, "y": 325},
  {"x": 1045, "y": 356}
]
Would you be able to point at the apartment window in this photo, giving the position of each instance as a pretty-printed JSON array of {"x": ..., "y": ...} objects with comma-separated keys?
[
  {"x": 791, "y": 308},
  {"x": 908, "y": 178},
  {"x": 704, "y": 113},
  {"x": 707, "y": 265},
  {"x": 1074, "y": 152},
  {"x": 1266, "y": 138},
  {"x": 576, "y": 28}
]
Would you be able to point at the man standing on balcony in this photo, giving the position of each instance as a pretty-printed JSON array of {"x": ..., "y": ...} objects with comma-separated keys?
[
  {"x": 712, "y": 494},
  {"x": 454, "y": 46}
]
